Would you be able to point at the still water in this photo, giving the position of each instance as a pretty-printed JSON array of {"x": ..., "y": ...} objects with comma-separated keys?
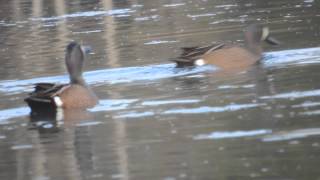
[{"x": 154, "y": 121}]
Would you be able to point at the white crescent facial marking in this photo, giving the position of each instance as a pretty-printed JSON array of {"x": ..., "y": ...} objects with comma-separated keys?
[
  {"x": 265, "y": 33},
  {"x": 57, "y": 101},
  {"x": 199, "y": 62}
]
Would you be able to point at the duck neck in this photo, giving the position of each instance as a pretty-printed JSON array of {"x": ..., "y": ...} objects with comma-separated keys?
[
  {"x": 253, "y": 46},
  {"x": 77, "y": 80},
  {"x": 74, "y": 65}
]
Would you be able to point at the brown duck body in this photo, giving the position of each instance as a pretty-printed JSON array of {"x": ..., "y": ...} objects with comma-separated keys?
[
  {"x": 228, "y": 56},
  {"x": 67, "y": 96},
  {"x": 77, "y": 94},
  {"x": 231, "y": 58}
]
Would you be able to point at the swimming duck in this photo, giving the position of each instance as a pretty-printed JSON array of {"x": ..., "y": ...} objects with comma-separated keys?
[
  {"x": 228, "y": 56},
  {"x": 76, "y": 94}
]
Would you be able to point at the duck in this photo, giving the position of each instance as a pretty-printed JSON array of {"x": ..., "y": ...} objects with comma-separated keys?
[
  {"x": 229, "y": 56},
  {"x": 75, "y": 94}
]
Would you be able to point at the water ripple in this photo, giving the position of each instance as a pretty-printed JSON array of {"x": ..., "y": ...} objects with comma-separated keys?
[
  {"x": 173, "y": 5},
  {"x": 22, "y": 147},
  {"x": 232, "y": 134},
  {"x": 306, "y": 104},
  {"x": 207, "y": 109},
  {"x": 135, "y": 114},
  {"x": 14, "y": 112},
  {"x": 201, "y": 15},
  {"x": 311, "y": 113},
  {"x": 294, "y": 95},
  {"x": 86, "y": 14},
  {"x": 155, "y": 42},
  {"x": 182, "y": 101},
  {"x": 292, "y": 57},
  {"x": 91, "y": 123},
  {"x": 236, "y": 86},
  {"x": 108, "y": 76},
  {"x": 112, "y": 105},
  {"x": 294, "y": 134}
]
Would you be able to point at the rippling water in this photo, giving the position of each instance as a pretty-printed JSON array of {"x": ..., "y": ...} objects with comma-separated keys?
[{"x": 154, "y": 121}]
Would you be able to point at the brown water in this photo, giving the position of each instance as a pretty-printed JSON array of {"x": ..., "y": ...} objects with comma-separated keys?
[{"x": 154, "y": 121}]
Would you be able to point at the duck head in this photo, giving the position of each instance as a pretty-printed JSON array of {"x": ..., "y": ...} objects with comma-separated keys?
[
  {"x": 75, "y": 56},
  {"x": 255, "y": 34}
]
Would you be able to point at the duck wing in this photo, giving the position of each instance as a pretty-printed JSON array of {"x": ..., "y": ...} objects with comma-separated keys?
[
  {"x": 43, "y": 94},
  {"x": 191, "y": 54}
]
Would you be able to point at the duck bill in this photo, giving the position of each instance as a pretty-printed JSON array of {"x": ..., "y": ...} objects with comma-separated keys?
[
  {"x": 87, "y": 49},
  {"x": 272, "y": 41}
]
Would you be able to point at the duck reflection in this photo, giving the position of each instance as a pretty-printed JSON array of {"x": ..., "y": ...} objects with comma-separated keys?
[{"x": 54, "y": 120}]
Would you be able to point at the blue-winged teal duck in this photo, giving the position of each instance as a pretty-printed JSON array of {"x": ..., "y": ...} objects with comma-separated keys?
[
  {"x": 76, "y": 94},
  {"x": 228, "y": 56}
]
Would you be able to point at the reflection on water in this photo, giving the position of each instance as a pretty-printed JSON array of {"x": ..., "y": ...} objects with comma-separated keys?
[{"x": 154, "y": 121}]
